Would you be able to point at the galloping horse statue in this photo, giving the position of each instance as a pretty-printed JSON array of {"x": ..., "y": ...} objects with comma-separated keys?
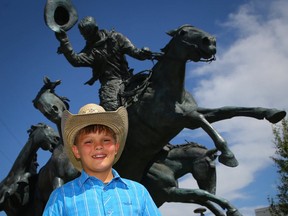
[
  {"x": 164, "y": 108},
  {"x": 175, "y": 161},
  {"x": 17, "y": 189}
]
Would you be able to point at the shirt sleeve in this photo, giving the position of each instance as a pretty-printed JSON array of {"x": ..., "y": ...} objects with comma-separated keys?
[
  {"x": 150, "y": 206},
  {"x": 54, "y": 205}
]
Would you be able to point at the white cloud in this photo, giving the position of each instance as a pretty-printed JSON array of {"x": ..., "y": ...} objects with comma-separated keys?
[{"x": 252, "y": 71}]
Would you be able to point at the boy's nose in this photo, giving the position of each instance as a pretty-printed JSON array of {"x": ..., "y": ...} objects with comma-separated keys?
[{"x": 98, "y": 146}]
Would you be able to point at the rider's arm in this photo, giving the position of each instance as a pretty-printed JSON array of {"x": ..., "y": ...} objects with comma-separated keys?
[
  {"x": 128, "y": 48},
  {"x": 76, "y": 60}
]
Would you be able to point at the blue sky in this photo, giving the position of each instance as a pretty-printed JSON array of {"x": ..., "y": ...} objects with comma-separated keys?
[{"x": 250, "y": 70}]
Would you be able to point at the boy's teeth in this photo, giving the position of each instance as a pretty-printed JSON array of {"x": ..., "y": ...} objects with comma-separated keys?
[{"x": 98, "y": 156}]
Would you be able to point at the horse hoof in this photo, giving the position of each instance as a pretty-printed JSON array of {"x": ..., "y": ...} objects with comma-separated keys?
[
  {"x": 233, "y": 212},
  {"x": 228, "y": 160},
  {"x": 275, "y": 116}
]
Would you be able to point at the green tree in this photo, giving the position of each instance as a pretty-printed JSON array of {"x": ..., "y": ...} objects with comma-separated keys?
[{"x": 279, "y": 203}]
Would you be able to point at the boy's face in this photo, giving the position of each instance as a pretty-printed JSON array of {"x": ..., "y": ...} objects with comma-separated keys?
[{"x": 97, "y": 151}]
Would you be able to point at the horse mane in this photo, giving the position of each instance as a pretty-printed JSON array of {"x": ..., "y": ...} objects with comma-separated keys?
[
  {"x": 172, "y": 33},
  {"x": 170, "y": 147}
]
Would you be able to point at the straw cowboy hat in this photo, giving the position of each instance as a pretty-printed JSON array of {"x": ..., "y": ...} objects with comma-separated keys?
[{"x": 91, "y": 114}]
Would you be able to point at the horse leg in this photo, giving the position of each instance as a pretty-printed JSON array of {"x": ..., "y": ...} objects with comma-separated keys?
[
  {"x": 208, "y": 205},
  {"x": 227, "y": 112},
  {"x": 227, "y": 157},
  {"x": 186, "y": 195}
]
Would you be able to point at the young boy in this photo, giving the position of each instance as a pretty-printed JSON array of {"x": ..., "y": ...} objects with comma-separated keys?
[{"x": 94, "y": 140}]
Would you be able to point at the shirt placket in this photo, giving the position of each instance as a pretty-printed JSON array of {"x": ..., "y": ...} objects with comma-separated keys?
[{"x": 108, "y": 204}]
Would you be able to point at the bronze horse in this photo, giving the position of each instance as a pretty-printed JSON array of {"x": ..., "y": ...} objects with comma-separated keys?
[
  {"x": 175, "y": 161},
  {"x": 49, "y": 103},
  {"x": 58, "y": 170},
  {"x": 17, "y": 189},
  {"x": 164, "y": 108}
]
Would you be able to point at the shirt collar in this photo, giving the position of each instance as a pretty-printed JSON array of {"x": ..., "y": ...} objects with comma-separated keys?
[{"x": 84, "y": 177}]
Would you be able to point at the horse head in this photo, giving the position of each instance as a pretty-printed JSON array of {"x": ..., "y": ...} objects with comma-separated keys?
[
  {"x": 16, "y": 188},
  {"x": 50, "y": 104},
  {"x": 197, "y": 160},
  {"x": 45, "y": 136},
  {"x": 190, "y": 43},
  {"x": 204, "y": 171}
]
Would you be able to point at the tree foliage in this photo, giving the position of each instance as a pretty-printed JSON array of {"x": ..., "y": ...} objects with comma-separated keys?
[{"x": 279, "y": 204}]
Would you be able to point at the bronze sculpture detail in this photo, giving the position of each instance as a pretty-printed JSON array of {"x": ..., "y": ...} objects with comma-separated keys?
[{"x": 159, "y": 108}]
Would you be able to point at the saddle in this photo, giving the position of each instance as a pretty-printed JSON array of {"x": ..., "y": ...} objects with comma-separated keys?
[{"x": 134, "y": 87}]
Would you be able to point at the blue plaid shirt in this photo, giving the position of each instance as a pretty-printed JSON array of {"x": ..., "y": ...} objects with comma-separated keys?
[{"x": 88, "y": 195}]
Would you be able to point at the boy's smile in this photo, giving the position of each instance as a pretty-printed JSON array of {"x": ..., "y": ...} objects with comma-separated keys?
[{"x": 97, "y": 153}]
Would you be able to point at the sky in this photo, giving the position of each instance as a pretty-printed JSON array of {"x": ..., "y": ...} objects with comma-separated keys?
[{"x": 250, "y": 70}]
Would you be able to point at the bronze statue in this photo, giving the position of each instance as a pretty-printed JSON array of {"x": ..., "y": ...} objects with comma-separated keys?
[
  {"x": 159, "y": 108},
  {"x": 164, "y": 108},
  {"x": 105, "y": 53},
  {"x": 60, "y": 14},
  {"x": 52, "y": 105},
  {"x": 17, "y": 189},
  {"x": 175, "y": 161},
  {"x": 58, "y": 169}
]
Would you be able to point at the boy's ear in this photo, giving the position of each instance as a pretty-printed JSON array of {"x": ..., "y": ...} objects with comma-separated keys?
[
  {"x": 75, "y": 151},
  {"x": 117, "y": 145}
]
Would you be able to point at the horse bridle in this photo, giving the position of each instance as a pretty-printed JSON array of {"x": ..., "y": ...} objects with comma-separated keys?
[{"x": 195, "y": 46}]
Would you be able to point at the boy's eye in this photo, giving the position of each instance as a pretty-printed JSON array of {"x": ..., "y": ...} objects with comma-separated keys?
[
  {"x": 88, "y": 142},
  {"x": 107, "y": 140}
]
